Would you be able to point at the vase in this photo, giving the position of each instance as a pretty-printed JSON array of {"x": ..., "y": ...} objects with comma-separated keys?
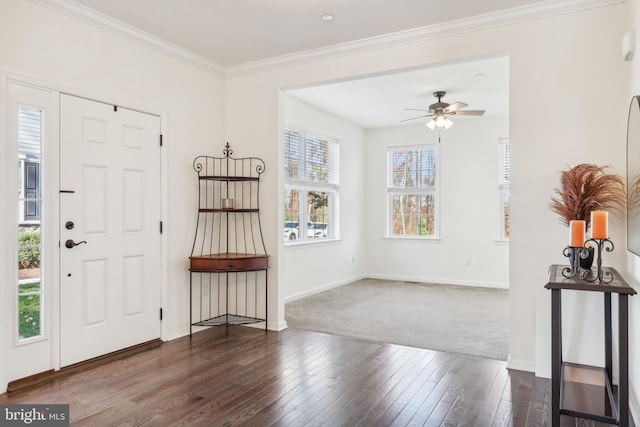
[{"x": 585, "y": 263}]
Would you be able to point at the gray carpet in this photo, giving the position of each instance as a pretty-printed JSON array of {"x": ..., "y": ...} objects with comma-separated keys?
[{"x": 457, "y": 319}]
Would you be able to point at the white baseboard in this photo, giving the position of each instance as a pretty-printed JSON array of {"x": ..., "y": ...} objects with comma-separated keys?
[
  {"x": 520, "y": 364},
  {"x": 634, "y": 404},
  {"x": 279, "y": 326},
  {"x": 173, "y": 335},
  {"x": 322, "y": 288},
  {"x": 183, "y": 332},
  {"x": 440, "y": 280}
]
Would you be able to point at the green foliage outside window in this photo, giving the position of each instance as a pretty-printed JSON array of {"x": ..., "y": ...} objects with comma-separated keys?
[
  {"x": 29, "y": 249},
  {"x": 29, "y": 310}
]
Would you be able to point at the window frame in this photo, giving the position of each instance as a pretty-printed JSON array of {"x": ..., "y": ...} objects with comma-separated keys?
[
  {"x": 26, "y": 154},
  {"x": 504, "y": 181},
  {"x": 392, "y": 191},
  {"x": 305, "y": 186}
]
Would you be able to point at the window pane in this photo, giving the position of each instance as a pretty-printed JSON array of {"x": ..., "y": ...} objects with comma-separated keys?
[
  {"x": 29, "y": 324},
  {"x": 413, "y": 214},
  {"x": 505, "y": 166},
  {"x": 506, "y": 213},
  {"x": 413, "y": 168},
  {"x": 317, "y": 160},
  {"x": 318, "y": 208},
  {"x": 291, "y": 215},
  {"x": 292, "y": 156},
  {"x": 29, "y": 222}
]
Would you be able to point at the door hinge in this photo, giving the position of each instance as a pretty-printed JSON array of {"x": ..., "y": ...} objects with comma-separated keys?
[
  {"x": 160, "y": 313},
  {"x": 115, "y": 108},
  {"x": 160, "y": 140},
  {"x": 160, "y": 227}
]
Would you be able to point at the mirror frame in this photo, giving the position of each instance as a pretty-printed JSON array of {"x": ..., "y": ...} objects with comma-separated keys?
[{"x": 633, "y": 176}]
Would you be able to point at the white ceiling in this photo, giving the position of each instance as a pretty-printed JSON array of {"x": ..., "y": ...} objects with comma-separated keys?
[
  {"x": 232, "y": 32},
  {"x": 380, "y": 101}
]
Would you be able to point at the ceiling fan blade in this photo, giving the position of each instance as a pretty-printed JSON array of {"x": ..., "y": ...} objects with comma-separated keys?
[
  {"x": 468, "y": 113},
  {"x": 456, "y": 106},
  {"x": 415, "y": 109},
  {"x": 413, "y": 118}
]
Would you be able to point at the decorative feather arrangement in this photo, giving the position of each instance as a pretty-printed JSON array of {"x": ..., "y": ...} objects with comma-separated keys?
[{"x": 585, "y": 188}]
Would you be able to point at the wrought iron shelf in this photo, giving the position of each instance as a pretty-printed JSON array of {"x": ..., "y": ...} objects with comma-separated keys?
[
  {"x": 228, "y": 319},
  {"x": 226, "y": 210},
  {"x": 228, "y": 263},
  {"x": 227, "y": 178}
]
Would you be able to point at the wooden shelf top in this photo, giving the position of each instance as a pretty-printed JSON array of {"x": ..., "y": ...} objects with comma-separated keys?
[
  {"x": 555, "y": 280},
  {"x": 229, "y": 255}
]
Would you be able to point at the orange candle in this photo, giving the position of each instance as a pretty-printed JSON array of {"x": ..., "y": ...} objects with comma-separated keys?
[
  {"x": 599, "y": 224},
  {"x": 576, "y": 233}
]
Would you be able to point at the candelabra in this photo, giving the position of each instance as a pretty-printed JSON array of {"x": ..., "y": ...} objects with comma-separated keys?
[
  {"x": 575, "y": 254},
  {"x": 600, "y": 275}
]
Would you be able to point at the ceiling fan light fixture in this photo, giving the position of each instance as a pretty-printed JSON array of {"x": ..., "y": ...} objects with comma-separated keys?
[
  {"x": 447, "y": 123},
  {"x": 441, "y": 121},
  {"x": 431, "y": 124}
]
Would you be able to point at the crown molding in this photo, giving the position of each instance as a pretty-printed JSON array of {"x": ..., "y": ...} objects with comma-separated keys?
[
  {"x": 515, "y": 15},
  {"x": 119, "y": 28},
  {"x": 504, "y": 17}
]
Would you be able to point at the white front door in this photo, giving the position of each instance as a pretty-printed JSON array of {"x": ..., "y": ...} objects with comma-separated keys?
[{"x": 110, "y": 209}]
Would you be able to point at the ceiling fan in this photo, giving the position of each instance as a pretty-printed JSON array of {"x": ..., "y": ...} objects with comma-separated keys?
[{"x": 439, "y": 112}]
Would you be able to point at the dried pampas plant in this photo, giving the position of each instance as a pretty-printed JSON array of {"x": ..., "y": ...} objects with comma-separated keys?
[{"x": 585, "y": 188}]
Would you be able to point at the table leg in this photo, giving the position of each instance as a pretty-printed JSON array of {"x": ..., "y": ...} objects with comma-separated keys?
[
  {"x": 607, "y": 337},
  {"x": 556, "y": 356},
  {"x": 623, "y": 387}
]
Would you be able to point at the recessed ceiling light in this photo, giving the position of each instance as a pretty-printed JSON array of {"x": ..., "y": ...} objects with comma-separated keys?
[{"x": 327, "y": 17}]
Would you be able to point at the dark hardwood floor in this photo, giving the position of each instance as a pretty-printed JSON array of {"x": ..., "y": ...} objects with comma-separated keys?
[{"x": 244, "y": 376}]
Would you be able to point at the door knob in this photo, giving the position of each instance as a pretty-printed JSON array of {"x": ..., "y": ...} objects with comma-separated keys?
[{"x": 70, "y": 243}]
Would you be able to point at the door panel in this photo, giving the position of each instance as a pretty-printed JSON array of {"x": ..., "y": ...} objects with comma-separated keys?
[{"x": 110, "y": 190}]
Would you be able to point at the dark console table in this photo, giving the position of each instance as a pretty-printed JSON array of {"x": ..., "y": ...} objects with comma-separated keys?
[{"x": 587, "y": 391}]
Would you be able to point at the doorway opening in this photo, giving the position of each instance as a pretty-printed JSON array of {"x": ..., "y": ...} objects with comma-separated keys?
[{"x": 469, "y": 247}]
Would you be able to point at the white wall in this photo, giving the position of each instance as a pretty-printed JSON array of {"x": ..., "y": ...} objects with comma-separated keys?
[
  {"x": 469, "y": 209},
  {"x": 67, "y": 54},
  {"x": 561, "y": 71},
  {"x": 309, "y": 268}
]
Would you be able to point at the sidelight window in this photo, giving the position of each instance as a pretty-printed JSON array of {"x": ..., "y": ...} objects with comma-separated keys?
[{"x": 30, "y": 289}]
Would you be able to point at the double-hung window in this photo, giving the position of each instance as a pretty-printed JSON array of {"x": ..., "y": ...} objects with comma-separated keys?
[
  {"x": 311, "y": 186},
  {"x": 412, "y": 191},
  {"x": 503, "y": 188}
]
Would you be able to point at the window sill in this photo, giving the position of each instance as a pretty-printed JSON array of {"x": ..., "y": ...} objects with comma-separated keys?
[
  {"x": 320, "y": 242},
  {"x": 413, "y": 239}
]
